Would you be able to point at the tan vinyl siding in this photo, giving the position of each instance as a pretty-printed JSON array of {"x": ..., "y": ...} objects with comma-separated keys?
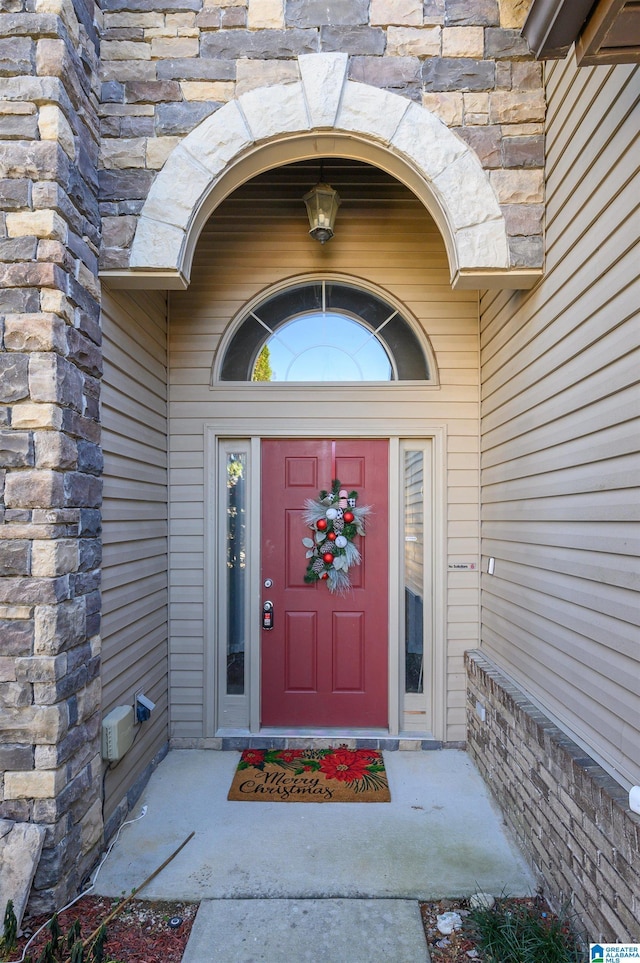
[
  {"x": 560, "y": 430},
  {"x": 134, "y": 581},
  {"x": 257, "y": 238}
]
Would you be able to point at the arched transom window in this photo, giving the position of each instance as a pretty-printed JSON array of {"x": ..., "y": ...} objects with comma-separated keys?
[{"x": 324, "y": 331}]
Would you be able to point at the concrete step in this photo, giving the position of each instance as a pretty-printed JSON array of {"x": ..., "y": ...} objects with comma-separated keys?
[{"x": 307, "y": 931}]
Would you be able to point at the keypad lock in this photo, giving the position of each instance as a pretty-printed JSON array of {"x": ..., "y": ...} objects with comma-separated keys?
[{"x": 267, "y": 615}]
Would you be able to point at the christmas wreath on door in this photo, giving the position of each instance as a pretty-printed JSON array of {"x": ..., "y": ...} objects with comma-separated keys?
[{"x": 336, "y": 520}]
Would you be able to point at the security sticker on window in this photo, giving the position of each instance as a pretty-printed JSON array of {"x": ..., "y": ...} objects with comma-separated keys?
[{"x": 613, "y": 952}]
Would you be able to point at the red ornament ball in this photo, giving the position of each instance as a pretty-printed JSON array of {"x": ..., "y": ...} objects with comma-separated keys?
[
  {"x": 321, "y": 524},
  {"x": 332, "y": 536},
  {"x": 348, "y": 517},
  {"x": 324, "y": 575},
  {"x": 328, "y": 558}
]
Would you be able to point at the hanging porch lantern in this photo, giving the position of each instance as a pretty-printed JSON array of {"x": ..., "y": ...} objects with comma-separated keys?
[{"x": 322, "y": 206}]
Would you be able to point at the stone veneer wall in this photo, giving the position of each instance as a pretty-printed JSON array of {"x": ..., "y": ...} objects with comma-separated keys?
[
  {"x": 570, "y": 817},
  {"x": 169, "y": 64},
  {"x": 50, "y": 460}
]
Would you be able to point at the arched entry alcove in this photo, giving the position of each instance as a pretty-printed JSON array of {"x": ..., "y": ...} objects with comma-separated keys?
[
  {"x": 254, "y": 247},
  {"x": 429, "y": 232},
  {"x": 444, "y": 238},
  {"x": 324, "y": 114}
]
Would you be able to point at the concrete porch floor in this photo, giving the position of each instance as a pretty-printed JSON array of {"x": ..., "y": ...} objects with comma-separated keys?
[{"x": 315, "y": 866}]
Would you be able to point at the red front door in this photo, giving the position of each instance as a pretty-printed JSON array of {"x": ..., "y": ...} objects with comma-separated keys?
[{"x": 325, "y": 661}]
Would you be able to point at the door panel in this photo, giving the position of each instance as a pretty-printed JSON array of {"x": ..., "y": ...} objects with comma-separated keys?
[
  {"x": 325, "y": 661},
  {"x": 294, "y": 575},
  {"x": 348, "y": 652},
  {"x": 301, "y": 651}
]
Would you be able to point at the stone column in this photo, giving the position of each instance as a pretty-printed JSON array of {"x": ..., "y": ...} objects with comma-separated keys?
[{"x": 50, "y": 460}]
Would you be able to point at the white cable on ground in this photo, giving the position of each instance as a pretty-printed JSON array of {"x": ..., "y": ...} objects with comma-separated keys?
[{"x": 85, "y": 892}]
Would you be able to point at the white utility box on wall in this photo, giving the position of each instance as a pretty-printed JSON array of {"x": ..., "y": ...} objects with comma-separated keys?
[{"x": 117, "y": 733}]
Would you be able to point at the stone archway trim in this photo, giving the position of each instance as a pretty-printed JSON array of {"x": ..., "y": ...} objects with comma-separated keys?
[{"x": 445, "y": 172}]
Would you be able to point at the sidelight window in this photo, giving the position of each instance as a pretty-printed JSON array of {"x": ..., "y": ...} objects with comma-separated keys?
[{"x": 236, "y": 569}]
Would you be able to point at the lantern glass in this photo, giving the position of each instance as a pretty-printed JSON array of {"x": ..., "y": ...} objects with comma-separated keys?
[{"x": 322, "y": 206}]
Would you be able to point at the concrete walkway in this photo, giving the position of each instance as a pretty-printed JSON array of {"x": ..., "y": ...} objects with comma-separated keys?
[{"x": 294, "y": 881}]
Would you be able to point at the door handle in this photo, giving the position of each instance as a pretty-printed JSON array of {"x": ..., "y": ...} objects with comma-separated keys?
[{"x": 267, "y": 615}]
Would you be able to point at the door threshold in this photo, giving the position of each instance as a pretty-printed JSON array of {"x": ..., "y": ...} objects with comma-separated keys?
[{"x": 324, "y": 738}]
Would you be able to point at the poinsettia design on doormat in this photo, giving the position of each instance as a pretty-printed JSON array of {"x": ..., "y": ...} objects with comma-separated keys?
[
  {"x": 335, "y": 519},
  {"x": 361, "y": 769}
]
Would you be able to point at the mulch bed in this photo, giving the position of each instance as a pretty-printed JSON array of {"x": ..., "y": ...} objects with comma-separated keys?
[
  {"x": 460, "y": 947},
  {"x": 140, "y": 934}
]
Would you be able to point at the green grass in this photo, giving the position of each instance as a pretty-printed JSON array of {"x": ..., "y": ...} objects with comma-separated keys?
[{"x": 512, "y": 932}]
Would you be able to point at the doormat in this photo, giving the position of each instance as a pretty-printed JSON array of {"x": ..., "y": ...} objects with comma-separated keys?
[{"x": 310, "y": 775}]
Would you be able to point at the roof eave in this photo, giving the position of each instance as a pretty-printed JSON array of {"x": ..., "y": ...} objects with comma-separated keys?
[{"x": 552, "y": 26}]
